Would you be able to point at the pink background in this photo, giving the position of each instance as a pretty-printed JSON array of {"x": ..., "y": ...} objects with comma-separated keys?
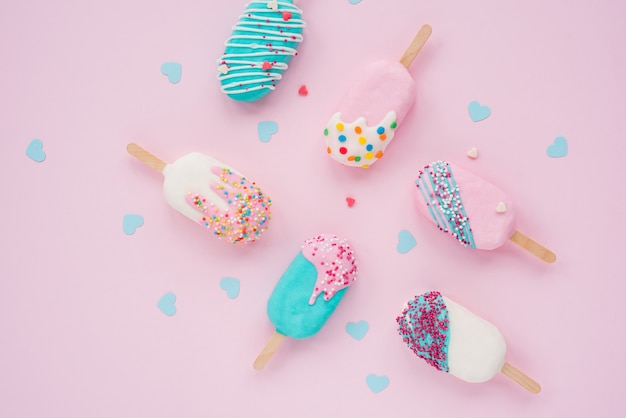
[{"x": 80, "y": 332}]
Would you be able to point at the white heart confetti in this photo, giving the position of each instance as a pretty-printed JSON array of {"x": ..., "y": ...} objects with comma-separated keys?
[
  {"x": 501, "y": 208},
  {"x": 472, "y": 153},
  {"x": 223, "y": 69},
  {"x": 272, "y": 5}
]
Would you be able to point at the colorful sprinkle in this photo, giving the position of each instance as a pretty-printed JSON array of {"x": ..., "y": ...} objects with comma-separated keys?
[
  {"x": 369, "y": 156},
  {"x": 382, "y": 137},
  {"x": 248, "y": 213},
  {"x": 339, "y": 126},
  {"x": 358, "y": 130},
  {"x": 343, "y": 150},
  {"x": 425, "y": 327},
  {"x": 380, "y": 130},
  {"x": 335, "y": 263},
  {"x": 326, "y": 132},
  {"x": 362, "y": 140},
  {"x": 393, "y": 125},
  {"x": 369, "y": 147},
  {"x": 342, "y": 138}
]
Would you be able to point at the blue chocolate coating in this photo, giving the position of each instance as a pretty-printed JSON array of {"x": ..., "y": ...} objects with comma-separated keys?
[{"x": 288, "y": 307}]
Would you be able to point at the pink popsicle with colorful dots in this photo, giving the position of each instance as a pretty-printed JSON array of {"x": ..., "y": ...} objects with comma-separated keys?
[{"x": 372, "y": 109}]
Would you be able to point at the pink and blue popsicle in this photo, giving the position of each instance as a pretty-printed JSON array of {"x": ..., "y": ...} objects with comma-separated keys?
[
  {"x": 473, "y": 211},
  {"x": 309, "y": 290}
]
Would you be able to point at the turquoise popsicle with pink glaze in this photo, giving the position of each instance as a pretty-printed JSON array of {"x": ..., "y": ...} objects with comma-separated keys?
[{"x": 309, "y": 290}]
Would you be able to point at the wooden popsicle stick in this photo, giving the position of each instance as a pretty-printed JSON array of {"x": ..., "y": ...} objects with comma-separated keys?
[
  {"x": 520, "y": 378},
  {"x": 269, "y": 350},
  {"x": 533, "y": 247},
  {"x": 146, "y": 157},
  {"x": 416, "y": 45}
]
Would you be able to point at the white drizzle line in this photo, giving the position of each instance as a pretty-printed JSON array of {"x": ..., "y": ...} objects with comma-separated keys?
[{"x": 271, "y": 52}]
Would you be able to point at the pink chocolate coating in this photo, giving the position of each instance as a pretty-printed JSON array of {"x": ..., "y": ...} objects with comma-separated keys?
[
  {"x": 335, "y": 264},
  {"x": 490, "y": 228},
  {"x": 379, "y": 88}
]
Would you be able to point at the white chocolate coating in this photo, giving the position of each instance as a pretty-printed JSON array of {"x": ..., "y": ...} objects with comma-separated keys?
[
  {"x": 214, "y": 195},
  {"x": 191, "y": 173},
  {"x": 477, "y": 349}
]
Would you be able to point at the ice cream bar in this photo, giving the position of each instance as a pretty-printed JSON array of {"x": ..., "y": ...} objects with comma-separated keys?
[
  {"x": 476, "y": 213},
  {"x": 373, "y": 108},
  {"x": 212, "y": 194},
  {"x": 454, "y": 340},
  {"x": 309, "y": 290},
  {"x": 259, "y": 49}
]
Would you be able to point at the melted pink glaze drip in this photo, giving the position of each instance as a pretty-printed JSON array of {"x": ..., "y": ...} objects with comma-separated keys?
[{"x": 335, "y": 263}]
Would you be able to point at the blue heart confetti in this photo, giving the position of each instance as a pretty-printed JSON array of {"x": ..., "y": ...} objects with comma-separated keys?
[
  {"x": 357, "y": 330},
  {"x": 35, "y": 151},
  {"x": 131, "y": 222},
  {"x": 231, "y": 286},
  {"x": 558, "y": 148},
  {"x": 406, "y": 242},
  {"x": 477, "y": 111},
  {"x": 173, "y": 71},
  {"x": 167, "y": 304},
  {"x": 377, "y": 383}
]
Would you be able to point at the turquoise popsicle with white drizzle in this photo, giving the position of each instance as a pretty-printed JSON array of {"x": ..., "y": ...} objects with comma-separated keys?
[{"x": 260, "y": 48}]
